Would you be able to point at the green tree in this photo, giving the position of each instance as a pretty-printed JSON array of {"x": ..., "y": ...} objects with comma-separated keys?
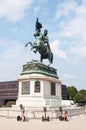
[
  {"x": 83, "y": 92},
  {"x": 71, "y": 92},
  {"x": 79, "y": 98}
]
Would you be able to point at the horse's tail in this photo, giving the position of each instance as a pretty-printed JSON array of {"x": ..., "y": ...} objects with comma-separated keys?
[{"x": 52, "y": 58}]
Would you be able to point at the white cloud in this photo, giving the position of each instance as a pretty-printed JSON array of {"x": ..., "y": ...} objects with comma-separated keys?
[
  {"x": 68, "y": 79},
  {"x": 15, "y": 29},
  {"x": 12, "y": 52},
  {"x": 74, "y": 16},
  {"x": 13, "y": 10},
  {"x": 36, "y": 10},
  {"x": 73, "y": 28},
  {"x": 12, "y": 57},
  {"x": 55, "y": 48},
  {"x": 65, "y": 9},
  {"x": 80, "y": 54},
  {"x": 43, "y": 1},
  {"x": 67, "y": 76}
]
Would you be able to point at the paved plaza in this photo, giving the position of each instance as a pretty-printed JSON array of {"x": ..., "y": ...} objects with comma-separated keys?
[{"x": 74, "y": 123}]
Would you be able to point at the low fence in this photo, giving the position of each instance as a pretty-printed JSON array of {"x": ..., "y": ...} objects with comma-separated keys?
[
  {"x": 77, "y": 111},
  {"x": 34, "y": 114},
  {"x": 29, "y": 113}
]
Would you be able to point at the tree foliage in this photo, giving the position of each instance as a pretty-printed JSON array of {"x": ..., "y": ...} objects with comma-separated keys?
[
  {"x": 75, "y": 95},
  {"x": 71, "y": 92},
  {"x": 83, "y": 92},
  {"x": 78, "y": 98}
]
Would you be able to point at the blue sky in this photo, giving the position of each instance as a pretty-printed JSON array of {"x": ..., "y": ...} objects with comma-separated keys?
[{"x": 66, "y": 24}]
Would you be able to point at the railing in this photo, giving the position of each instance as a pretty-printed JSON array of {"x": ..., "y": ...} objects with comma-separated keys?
[
  {"x": 34, "y": 114},
  {"x": 77, "y": 111}
]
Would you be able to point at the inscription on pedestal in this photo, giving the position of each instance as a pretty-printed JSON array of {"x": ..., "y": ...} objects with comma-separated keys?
[
  {"x": 26, "y": 87},
  {"x": 37, "y": 87}
]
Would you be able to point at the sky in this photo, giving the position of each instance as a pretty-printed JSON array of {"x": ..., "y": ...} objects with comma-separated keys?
[{"x": 65, "y": 21}]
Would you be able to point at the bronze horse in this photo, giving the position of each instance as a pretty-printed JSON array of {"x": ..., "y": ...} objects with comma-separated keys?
[
  {"x": 42, "y": 51},
  {"x": 41, "y": 43}
]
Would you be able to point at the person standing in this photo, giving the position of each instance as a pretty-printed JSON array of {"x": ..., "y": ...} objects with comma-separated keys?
[{"x": 22, "y": 108}]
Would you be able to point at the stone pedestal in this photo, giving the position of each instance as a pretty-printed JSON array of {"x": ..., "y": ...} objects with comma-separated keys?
[{"x": 39, "y": 86}]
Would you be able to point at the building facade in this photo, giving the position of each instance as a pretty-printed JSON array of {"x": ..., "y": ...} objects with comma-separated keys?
[
  {"x": 8, "y": 91},
  {"x": 64, "y": 92}
]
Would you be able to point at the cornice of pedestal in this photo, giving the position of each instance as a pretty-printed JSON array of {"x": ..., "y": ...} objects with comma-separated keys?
[
  {"x": 37, "y": 68},
  {"x": 38, "y": 76}
]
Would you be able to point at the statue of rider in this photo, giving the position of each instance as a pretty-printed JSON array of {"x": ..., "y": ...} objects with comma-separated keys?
[
  {"x": 46, "y": 40},
  {"x": 41, "y": 43},
  {"x": 41, "y": 38}
]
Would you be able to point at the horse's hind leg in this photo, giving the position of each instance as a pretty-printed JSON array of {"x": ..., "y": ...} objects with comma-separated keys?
[{"x": 41, "y": 58}]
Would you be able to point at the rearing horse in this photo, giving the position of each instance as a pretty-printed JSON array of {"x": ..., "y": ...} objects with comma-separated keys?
[
  {"x": 42, "y": 51},
  {"x": 41, "y": 43}
]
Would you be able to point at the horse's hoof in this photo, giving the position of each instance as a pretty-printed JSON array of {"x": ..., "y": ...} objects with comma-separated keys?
[
  {"x": 49, "y": 64},
  {"x": 34, "y": 51}
]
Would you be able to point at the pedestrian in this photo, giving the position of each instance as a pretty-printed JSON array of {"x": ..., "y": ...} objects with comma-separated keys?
[
  {"x": 65, "y": 115},
  {"x": 22, "y": 112}
]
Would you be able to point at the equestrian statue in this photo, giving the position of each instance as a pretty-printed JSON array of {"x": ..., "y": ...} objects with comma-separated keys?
[{"x": 41, "y": 43}]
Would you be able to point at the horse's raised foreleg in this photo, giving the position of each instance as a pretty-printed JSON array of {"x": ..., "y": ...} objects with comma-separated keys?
[{"x": 28, "y": 43}]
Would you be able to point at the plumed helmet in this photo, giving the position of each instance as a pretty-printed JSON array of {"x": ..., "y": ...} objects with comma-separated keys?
[{"x": 46, "y": 30}]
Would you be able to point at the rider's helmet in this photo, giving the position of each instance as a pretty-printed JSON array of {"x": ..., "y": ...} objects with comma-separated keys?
[{"x": 46, "y": 30}]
